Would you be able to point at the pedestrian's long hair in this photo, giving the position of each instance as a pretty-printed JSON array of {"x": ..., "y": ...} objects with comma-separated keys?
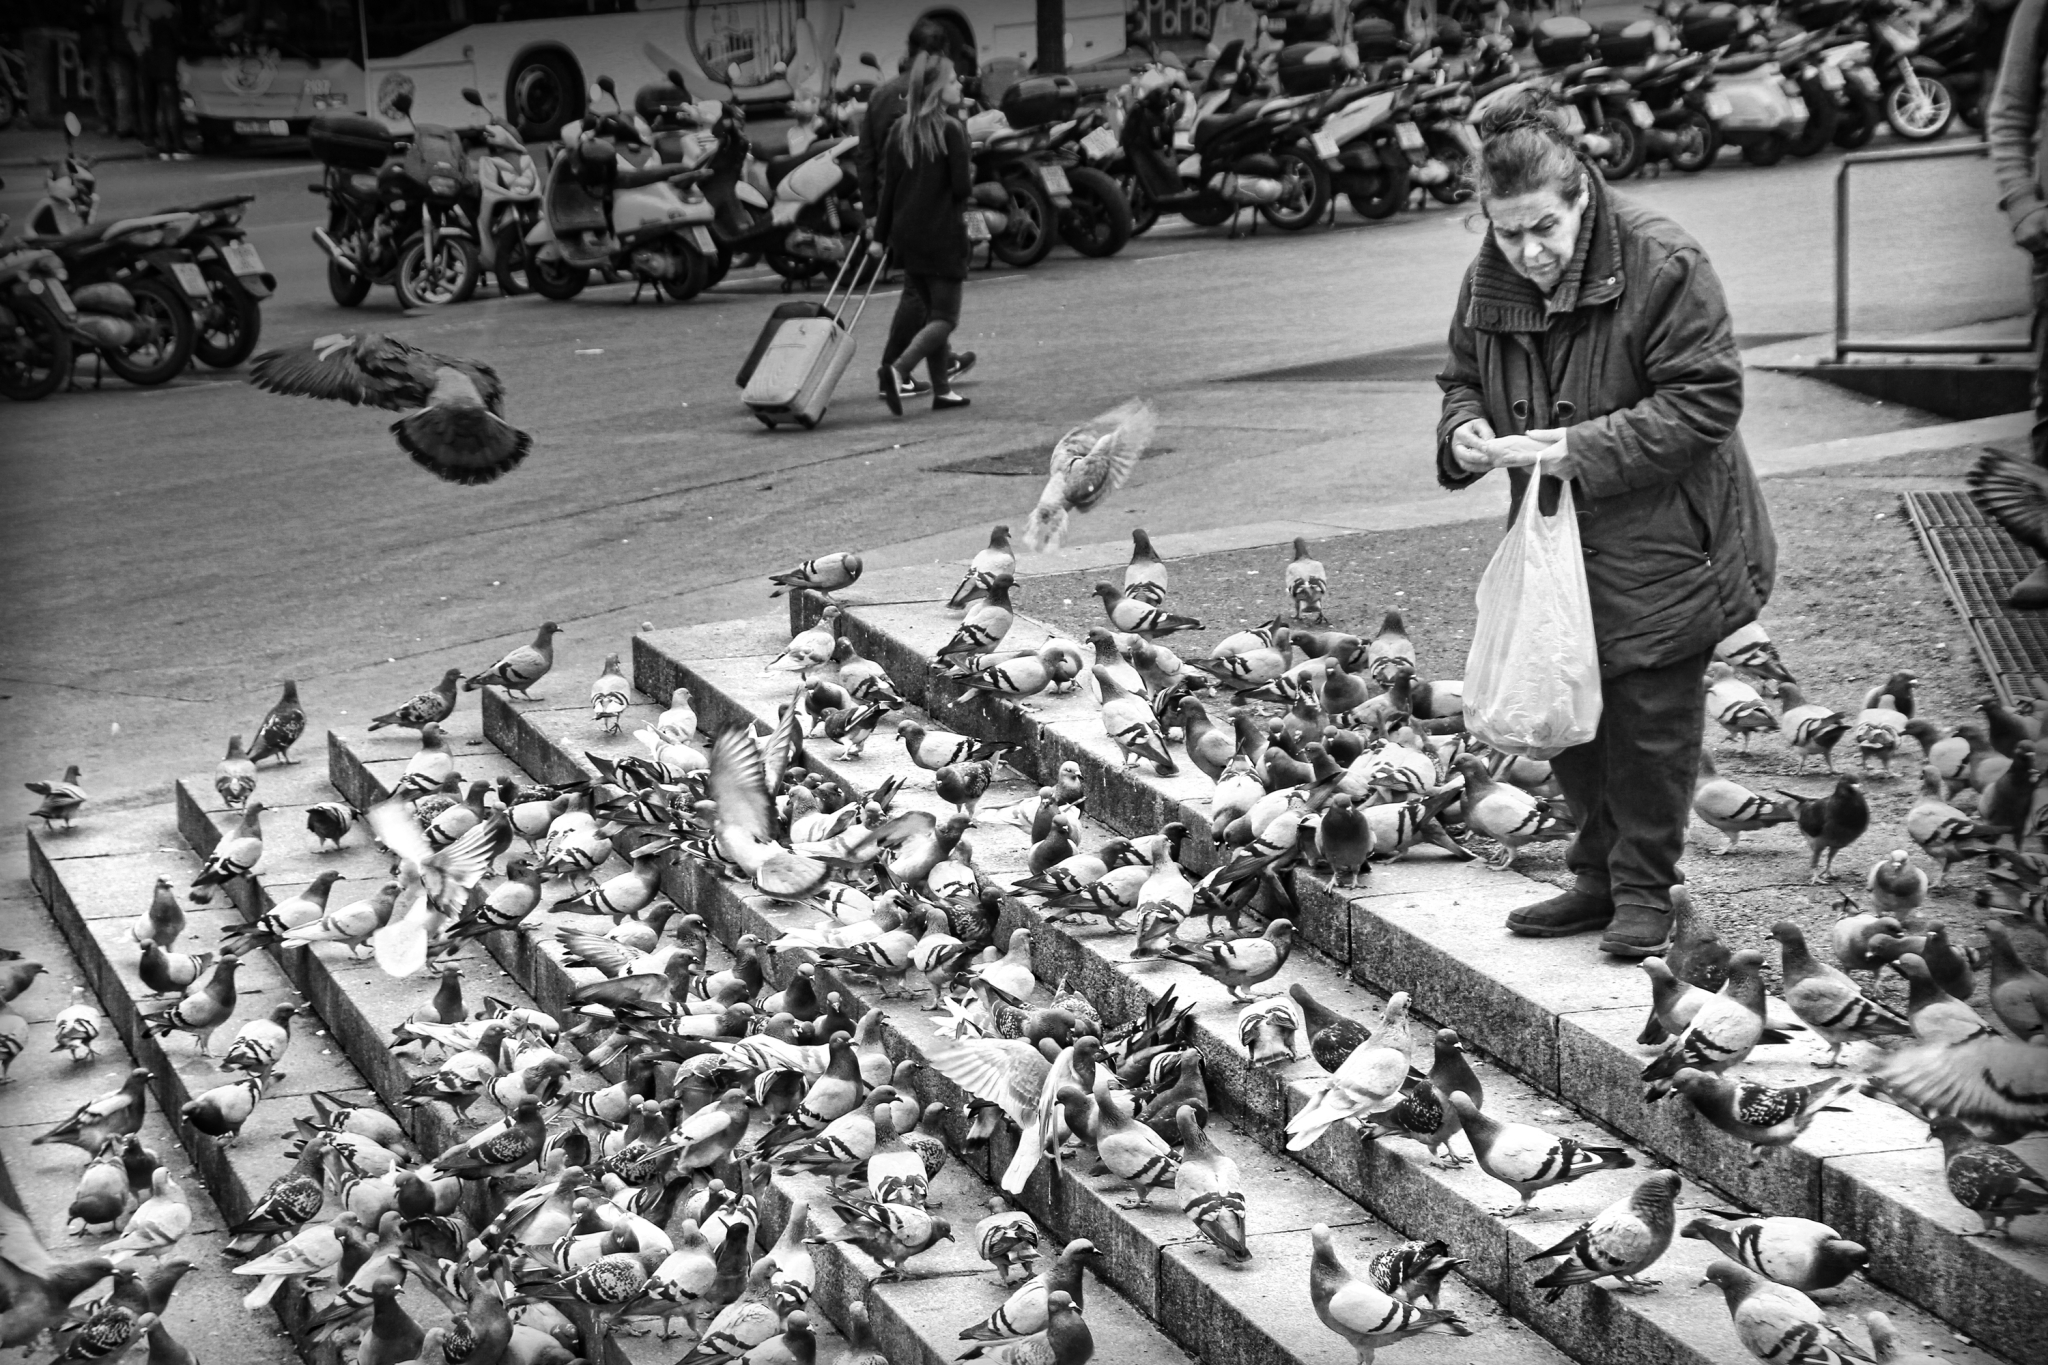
[{"x": 921, "y": 131}]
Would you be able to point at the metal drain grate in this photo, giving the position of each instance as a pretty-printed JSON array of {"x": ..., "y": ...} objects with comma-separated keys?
[{"x": 1978, "y": 563}]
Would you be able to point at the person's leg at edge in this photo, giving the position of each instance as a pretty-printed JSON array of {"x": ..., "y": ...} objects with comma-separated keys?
[
  {"x": 943, "y": 306},
  {"x": 1656, "y": 717},
  {"x": 1582, "y": 772},
  {"x": 908, "y": 320},
  {"x": 930, "y": 341}
]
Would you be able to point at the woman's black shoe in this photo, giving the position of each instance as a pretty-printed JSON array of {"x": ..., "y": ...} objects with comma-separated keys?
[
  {"x": 943, "y": 401},
  {"x": 891, "y": 395}
]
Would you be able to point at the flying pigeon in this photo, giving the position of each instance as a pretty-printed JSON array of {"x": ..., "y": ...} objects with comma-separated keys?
[
  {"x": 1088, "y": 464},
  {"x": 452, "y": 428}
]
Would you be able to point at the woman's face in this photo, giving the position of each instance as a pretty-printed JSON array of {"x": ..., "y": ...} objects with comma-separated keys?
[
  {"x": 952, "y": 94},
  {"x": 1537, "y": 232}
]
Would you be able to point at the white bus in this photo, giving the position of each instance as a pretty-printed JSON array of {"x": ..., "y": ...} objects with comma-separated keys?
[{"x": 539, "y": 56}]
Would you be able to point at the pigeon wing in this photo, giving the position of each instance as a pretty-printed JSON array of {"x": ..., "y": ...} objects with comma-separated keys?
[
  {"x": 370, "y": 369},
  {"x": 2014, "y": 494},
  {"x": 739, "y": 782}
]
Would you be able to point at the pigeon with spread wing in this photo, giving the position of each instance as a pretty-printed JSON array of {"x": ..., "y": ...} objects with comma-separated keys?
[
  {"x": 452, "y": 425},
  {"x": 2014, "y": 493},
  {"x": 1090, "y": 462}
]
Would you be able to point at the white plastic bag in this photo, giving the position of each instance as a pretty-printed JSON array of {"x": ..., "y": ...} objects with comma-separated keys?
[{"x": 1532, "y": 681}]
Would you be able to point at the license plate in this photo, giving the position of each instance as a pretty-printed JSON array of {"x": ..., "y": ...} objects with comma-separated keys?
[
  {"x": 1640, "y": 112},
  {"x": 977, "y": 226},
  {"x": 1100, "y": 144},
  {"x": 1325, "y": 145},
  {"x": 1054, "y": 178},
  {"x": 191, "y": 280},
  {"x": 242, "y": 258},
  {"x": 1409, "y": 136},
  {"x": 263, "y": 127}
]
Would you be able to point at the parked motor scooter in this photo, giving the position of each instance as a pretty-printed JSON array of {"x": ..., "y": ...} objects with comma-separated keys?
[
  {"x": 612, "y": 206},
  {"x": 132, "y": 295},
  {"x": 229, "y": 324},
  {"x": 1754, "y": 105},
  {"x": 1918, "y": 100},
  {"x": 35, "y": 316},
  {"x": 369, "y": 211},
  {"x": 1096, "y": 220},
  {"x": 507, "y": 197}
]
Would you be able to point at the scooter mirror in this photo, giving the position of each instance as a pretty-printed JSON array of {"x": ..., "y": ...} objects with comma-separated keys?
[
  {"x": 868, "y": 59},
  {"x": 72, "y": 127},
  {"x": 675, "y": 78},
  {"x": 402, "y": 102},
  {"x": 604, "y": 83},
  {"x": 472, "y": 97}
]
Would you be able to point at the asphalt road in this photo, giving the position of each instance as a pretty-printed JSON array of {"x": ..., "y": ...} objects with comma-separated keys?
[{"x": 172, "y": 552}]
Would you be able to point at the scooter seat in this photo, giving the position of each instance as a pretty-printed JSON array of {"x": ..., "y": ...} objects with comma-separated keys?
[
  {"x": 1439, "y": 92},
  {"x": 212, "y": 205},
  {"x": 781, "y": 166},
  {"x": 84, "y": 236},
  {"x": 1735, "y": 66},
  {"x": 1215, "y": 125}
]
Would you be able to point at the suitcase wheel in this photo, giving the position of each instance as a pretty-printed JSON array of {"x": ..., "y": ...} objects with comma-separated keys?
[{"x": 807, "y": 423}]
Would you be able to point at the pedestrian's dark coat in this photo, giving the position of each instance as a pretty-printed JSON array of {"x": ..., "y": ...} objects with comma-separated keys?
[
  {"x": 919, "y": 216},
  {"x": 885, "y": 106},
  {"x": 1634, "y": 352}
]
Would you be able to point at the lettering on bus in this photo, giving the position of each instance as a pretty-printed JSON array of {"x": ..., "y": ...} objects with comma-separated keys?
[{"x": 1154, "y": 19}]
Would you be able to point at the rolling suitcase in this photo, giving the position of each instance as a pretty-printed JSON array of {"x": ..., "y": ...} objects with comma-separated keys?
[
  {"x": 784, "y": 312},
  {"x": 805, "y": 357}
]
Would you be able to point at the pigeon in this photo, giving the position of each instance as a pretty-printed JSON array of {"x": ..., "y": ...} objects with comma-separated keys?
[
  {"x": 350, "y": 925},
  {"x": 995, "y": 558},
  {"x": 1750, "y": 650},
  {"x": 1307, "y": 583},
  {"x": 1414, "y": 1271},
  {"x": 234, "y": 777},
  {"x": 61, "y": 799},
  {"x": 987, "y": 621},
  {"x": 1779, "y": 1324},
  {"x": 1238, "y": 963},
  {"x": 235, "y": 856},
  {"x": 1272, "y": 1031},
  {"x": 2018, "y": 993},
  {"x": 261, "y": 1043},
  {"x": 520, "y": 669},
  {"x": 280, "y": 728},
  {"x": 328, "y": 822},
  {"x": 1527, "y": 1158},
  {"x": 109, "y": 1329},
  {"x": 221, "y": 1111},
  {"x": 2014, "y": 493},
  {"x": 1795, "y": 1252},
  {"x": 1140, "y": 616},
  {"x": 1066, "y": 1339},
  {"x": 288, "y": 1205},
  {"x": 1811, "y": 729},
  {"x": 1007, "y": 1239},
  {"x": 102, "y": 1194},
  {"x": 1733, "y": 808},
  {"x": 1761, "y": 1115},
  {"x": 453, "y": 426},
  {"x": 434, "y": 884},
  {"x": 1209, "y": 1188},
  {"x": 1884, "y": 1343},
  {"x": 1368, "y": 1082},
  {"x": 1131, "y": 726},
  {"x": 1988, "y": 1180},
  {"x": 115, "y": 1114},
  {"x": 812, "y": 649},
  {"x": 1623, "y": 1241},
  {"x": 1508, "y": 815},
  {"x": 1896, "y": 887},
  {"x": 1878, "y": 728},
  {"x": 162, "y": 1220},
  {"x": 1697, "y": 955},
  {"x": 826, "y": 574},
  {"x": 1831, "y": 823},
  {"x": 430, "y": 707},
  {"x": 203, "y": 1009},
  {"x": 609, "y": 696},
  {"x": 1028, "y": 1309},
  {"x": 13, "y": 1039},
  {"x": 1089, "y": 463},
  {"x": 77, "y": 1027},
  {"x": 1944, "y": 833},
  {"x": 861, "y": 1346},
  {"x": 1360, "y": 1311},
  {"x": 889, "y": 1233},
  {"x": 1735, "y": 705},
  {"x": 1827, "y": 1001},
  {"x": 1332, "y": 1036},
  {"x": 163, "y": 921},
  {"x": 1722, "y": 1034},
  {"x": 16, "y": 977}
]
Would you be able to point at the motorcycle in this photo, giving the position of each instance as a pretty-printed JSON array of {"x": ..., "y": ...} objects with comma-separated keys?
[
  {"x": 613, "y": 206},
  {"x": 507, "y": 198},
  {"x": 35, "y": 340},
  {"x": 1753, "y": 104},
  {"x": 1918, "y": 101},
  {"x": 1097, "y": 219},
  {"x": 120, "y": 301},
  {"x": 71, "y": 196},
  {"x": 230, "y": 322},
  {"x": 1579, "y": 63},
  {"x": 1681, "y": 132},
  {"x": 1023, "y": 187},
  {"x": 366, "y": 192}
]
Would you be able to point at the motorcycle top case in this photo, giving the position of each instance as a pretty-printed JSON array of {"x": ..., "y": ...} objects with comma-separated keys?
[
  {"x": 1308, "y": 67},
  {"x": 1562, "y": 40},
  {"x": 799, "y": 371},
  {"x": 1376, "y": 38},
  {"x": 1819, "y": 14},
  {"x": 1702, "y": 28},
  {"x": 1040, "y": 99},
  {"x": 1627, "y": 42},
  {"x": 351, "y": 142}
]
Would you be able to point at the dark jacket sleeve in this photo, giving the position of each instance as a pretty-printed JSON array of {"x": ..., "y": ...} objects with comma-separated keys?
[
  {"x": 892, "y": 170},
  {"x": 959, "y": 161},
  {"x": 869, "y": 153},
  {"x": 1694, "y": 373},
  {"x": 2013, "y": 124},
  {"x": 1463, "y": 399}
]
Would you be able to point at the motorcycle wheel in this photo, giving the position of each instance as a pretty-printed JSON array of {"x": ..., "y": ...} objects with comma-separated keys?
[
  {"x": 1922, "y": 119},
  {"x": 1626, "y": 149},
  {"x": 556, "y": 279},
  {"x": 1209, "y": 213},
  {"x": 1389, "y": 191},
  {"x": 508, "y": 264},
  {"x": 35, "y": 361},
  {"x": 1144, "y": 214},
  {"x": 1099, "y": 223},
  {"x": 1821, "y": 117},
  {"x": 796, "y": 269},
  {"x": 159, "y": 303},
  {"x": 1769, "y": 152},
  {"x": 348, "y": 288},
  {"x": 1695, "y": 142},
  {"x": 233, "y": 325},
  {"x": 722, "y": 264},
  {"x": 1033, "y": 225},
  {"x": 1306, "y": 196},
  {"x": 696, "y": 276},
  {"x": 1972, "y": 111},
  {"x": 448, "y": 278},
  {"x": 1857, "y": 122}
]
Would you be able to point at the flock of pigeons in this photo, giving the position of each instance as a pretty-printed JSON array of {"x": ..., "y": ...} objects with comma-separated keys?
[{"x": 646, "y": 1201}]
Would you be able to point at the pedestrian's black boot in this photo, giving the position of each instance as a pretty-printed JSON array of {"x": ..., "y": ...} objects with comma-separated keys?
[
  {"x": 1637, "y": 931},
  {"x": 1576, "y": 911}
]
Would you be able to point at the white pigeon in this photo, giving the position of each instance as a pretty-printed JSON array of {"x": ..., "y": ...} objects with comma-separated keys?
[{"x": 1088, "y": 464}]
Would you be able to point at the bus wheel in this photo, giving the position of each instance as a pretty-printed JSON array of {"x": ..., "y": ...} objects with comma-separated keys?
[{"x": 544, "y": 92}]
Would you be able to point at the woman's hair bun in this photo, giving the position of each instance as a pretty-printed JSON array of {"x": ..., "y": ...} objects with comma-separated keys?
[{"x": 1528, "y": 108}]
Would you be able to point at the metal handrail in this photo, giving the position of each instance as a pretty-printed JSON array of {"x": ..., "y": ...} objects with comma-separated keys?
[{"x": 1844, "y": 343}]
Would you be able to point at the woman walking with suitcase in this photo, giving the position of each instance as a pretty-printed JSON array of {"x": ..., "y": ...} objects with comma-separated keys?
[{"x": 927, "y": 178}]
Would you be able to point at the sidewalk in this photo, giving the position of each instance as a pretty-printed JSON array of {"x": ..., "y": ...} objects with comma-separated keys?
[{"x": 25, "y": 147}]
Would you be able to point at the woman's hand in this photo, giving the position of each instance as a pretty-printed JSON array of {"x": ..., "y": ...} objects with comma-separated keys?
[
  {"x": 876, "y": 250},
  {"x": 1545, "y": 446},
  {"x": 1468, "y": 446}
]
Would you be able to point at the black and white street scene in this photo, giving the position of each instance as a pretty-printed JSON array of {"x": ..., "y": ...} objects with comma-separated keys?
[{"x": 1151, "y": 682}]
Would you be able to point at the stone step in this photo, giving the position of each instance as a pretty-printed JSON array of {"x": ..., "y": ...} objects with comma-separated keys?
[
  {"x": 94, "y": 887},
  {"x": 1550, "y": 1010},
  {"x": 44, "y": 1087},
  {"x": 1154, "y": 1257},
  {"x": 906, "y": 1316},
  {"x": 723, "y": 668}
]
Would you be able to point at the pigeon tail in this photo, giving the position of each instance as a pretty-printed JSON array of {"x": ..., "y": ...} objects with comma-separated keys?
[
  {"x": 1046, "y": 527},
  {"x": 461, "y": 443}
]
